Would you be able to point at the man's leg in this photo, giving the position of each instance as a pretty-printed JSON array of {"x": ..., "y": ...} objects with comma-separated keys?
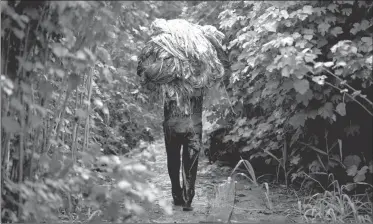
[
  {"x": 173, "y": 148},
  {"x": 191, "y": 150}
]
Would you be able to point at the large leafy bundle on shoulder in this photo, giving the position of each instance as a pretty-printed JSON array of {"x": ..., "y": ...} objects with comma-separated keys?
[{"x": 181, "y": 57}]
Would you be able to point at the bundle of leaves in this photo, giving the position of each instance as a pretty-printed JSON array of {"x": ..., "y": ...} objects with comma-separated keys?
[{"x": 179, "y": 58}]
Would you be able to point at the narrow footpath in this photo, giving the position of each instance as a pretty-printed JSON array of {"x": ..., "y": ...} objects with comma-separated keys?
[{"x": 250, "y": 203}]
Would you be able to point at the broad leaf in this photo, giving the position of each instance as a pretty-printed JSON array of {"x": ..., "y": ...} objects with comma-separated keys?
[
  {"x": 74, "y": 81},
  {"x": 301, "y": 86},
  {"x": 341, "y": 109},
  {"x": 10, "y": 125},
  {"x": 352, "y": 160},
  {"x": 59, "y": 50},
  {"x": 352, "y": 170},
  {"x": 360, "y": 176}
]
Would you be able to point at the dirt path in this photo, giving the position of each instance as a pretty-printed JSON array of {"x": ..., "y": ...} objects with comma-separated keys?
[{"x": 251, "y": 205}]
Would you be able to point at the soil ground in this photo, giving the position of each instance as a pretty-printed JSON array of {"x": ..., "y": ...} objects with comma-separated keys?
[{"x": 250, "y": 205}]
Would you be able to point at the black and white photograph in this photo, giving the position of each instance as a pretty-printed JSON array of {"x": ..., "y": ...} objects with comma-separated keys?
[{"x": 186, "y": 111}]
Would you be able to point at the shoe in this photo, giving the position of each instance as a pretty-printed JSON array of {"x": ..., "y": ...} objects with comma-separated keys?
[{"x": 187, "y": 208}]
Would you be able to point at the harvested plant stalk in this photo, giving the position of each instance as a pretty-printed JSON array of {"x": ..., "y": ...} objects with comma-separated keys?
[{"x": 179, "y": 58}]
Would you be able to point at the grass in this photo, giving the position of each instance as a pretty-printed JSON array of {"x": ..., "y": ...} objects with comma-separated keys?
[
  {"x": 334, "y": 206},
  {"x": 337, "y": 207}
]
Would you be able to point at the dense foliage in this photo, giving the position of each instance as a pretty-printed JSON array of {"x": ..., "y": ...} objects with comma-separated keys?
[
  {"x": 298, "y": 101},
  {"x": 70, "y": 96},
  {"x": 300, "y": 88}
]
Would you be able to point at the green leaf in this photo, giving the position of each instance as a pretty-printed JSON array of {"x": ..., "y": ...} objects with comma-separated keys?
[
  {"x": 81, "y": 113},
  {"x": 315, "y": 166},
  {"x": 328, "y": 64},
  {"x": 124, "y": 185},
  {"x": 326, "y": 111},
  {"x": 18, "y": 33},
  {"x": 74, "y": 81},
  {"x": 357, "y": 27},
  {"x": 340, "y": 64},
  {"x": 238, "y": 66},
  {"x": 304, "y": 98},
  {"x": 285, "y": 72},
  {"x": 312, "y": 114},
  {"x": 310, "y": 57},
  {"x": 355, "y": 93},
  {"x": 271, "y": 26},
  {"x": 336, "y": 31},
  {"x": 28, "y": 66},
  {"x": 60, "y": 73},
  {"x": 44, "y": 160},
  {"x": 287, "y": 41},
  {"x": 333, "y": 7},
  {"x": 369, "y": 60},
  {"x": 352, "y": 130},
  {"x": 10, "y": 125},
  {"x": 307, "y": 9},
  {"x": 81, "y": 55},
  {"x": 55, "y": 166},
  {"x": 319, "y": 79},
  {"x": 338, "y": 72},
  {"x": 308, "y": 31},
  {"x": 26, "y": 87},
  {"x": 87, "y": 159},
  {"x": 14, "y": 102},
  {"x": 105, "y": 110},
  {"x": 367, "y": 40},
  {"x": 98, "y": 103},
  {"x": 103, "y": 55},
  {"x": 352, "y": 170},
  {"x": 284, "y": 14},
  {"x": 301, "y": 44},
  {"x": 36, "y": 121},
  {"x": 352, "y": 160},
  {"x": 298, "y": 120},
  {"x": 295, "y": 159},
  {"x": 341, "y": 109},
  {"x": 268, "y": 161},
  {"x": 323, "y": 28},
  {"x": 360, "y": 176},
  {"x": 321, "y": 43},
  {"x": 46, "y": 88},
  {"x": 347, "y": 11},
  {"x": 59, "y": 50},
  {"x": 308, "y": 36},
  {"x": 350, "y": 186},
  {"x": 68, "y": 164},
  {"x": 301, "y": 86}
]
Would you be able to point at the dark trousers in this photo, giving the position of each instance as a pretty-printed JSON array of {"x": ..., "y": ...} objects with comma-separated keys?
[
  {"x": 191, "y": 141},
  {"x": 186, "y": 132}
]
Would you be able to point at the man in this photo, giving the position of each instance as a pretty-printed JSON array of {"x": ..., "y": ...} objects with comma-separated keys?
[{"x": 181, "y": 60}]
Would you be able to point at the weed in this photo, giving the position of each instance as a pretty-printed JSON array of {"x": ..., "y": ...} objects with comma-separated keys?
[{"x": 336, "y": 206}]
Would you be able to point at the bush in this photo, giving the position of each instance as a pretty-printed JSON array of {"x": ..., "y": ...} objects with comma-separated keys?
[
  {"x": 70, "y": 94},
  {"x": 300, "y": 92}
]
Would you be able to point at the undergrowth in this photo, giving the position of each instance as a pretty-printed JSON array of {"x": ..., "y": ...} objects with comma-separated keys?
[{"x": 337, "y": 207}]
